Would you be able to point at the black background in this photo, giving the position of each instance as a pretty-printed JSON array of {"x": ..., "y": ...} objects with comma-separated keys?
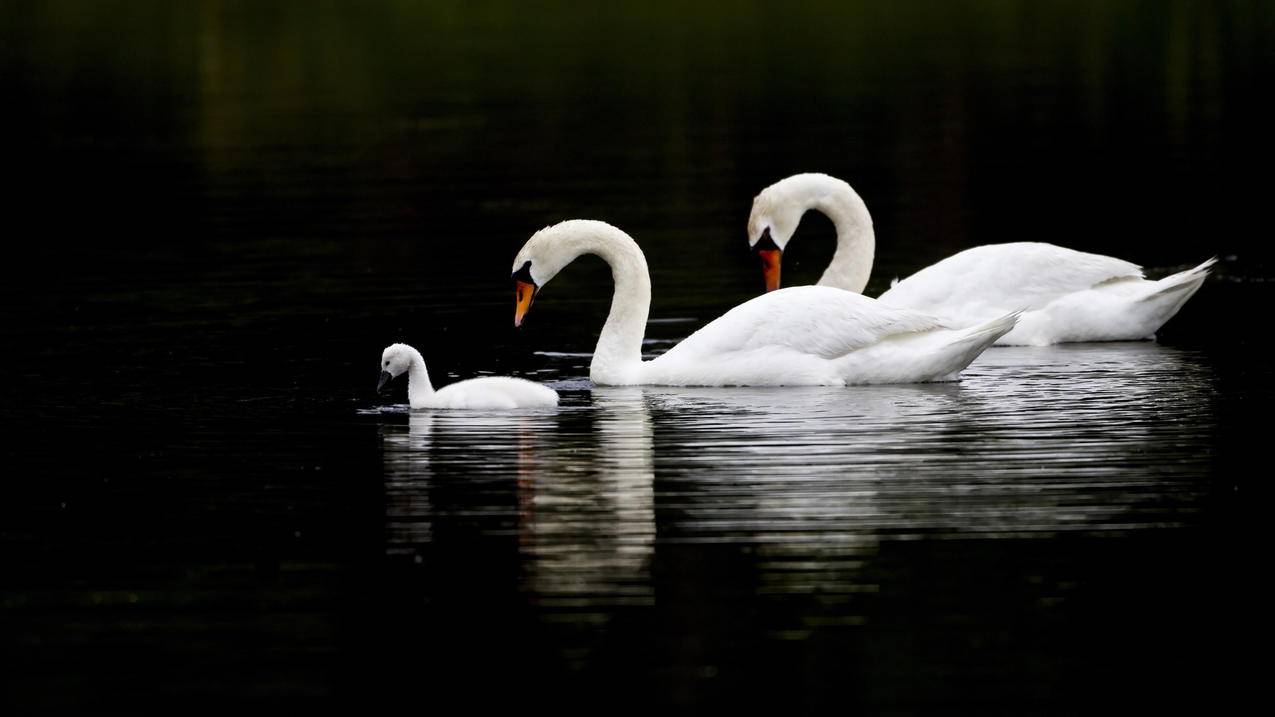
[{"x": 218, "y": 212}]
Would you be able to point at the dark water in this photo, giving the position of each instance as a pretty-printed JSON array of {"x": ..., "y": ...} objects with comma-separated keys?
[{"x": 219, "y": 213}]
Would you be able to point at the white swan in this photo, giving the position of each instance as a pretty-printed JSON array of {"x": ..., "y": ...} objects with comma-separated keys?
[
  {"x": 488, "y": 392},
  {"x": 808, "y": 335},
  {"x": 1065, "y": 295}
]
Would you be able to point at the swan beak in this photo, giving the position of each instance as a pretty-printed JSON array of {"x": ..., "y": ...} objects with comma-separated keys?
[
  {"x": 524, "y": 292},
  {"x": 385, "y": 378},
  {"x": 770, "y": 261}
]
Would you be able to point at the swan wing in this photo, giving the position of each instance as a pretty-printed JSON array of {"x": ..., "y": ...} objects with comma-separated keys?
[
  {"x": 1006, "y": 277},
  {"x": 816, "y": 321}
]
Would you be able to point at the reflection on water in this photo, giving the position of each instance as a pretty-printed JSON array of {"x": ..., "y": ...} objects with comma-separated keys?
[
  {"x": 1098, "y": 440},
  {"x": 588, "y": 526},
  {"x": 1031, "y": 442},
  {"x": 584, "y": 484}
]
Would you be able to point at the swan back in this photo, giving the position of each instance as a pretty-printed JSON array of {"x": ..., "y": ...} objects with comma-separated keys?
[
  {"x": 815, "y": 320},
  {"x": 494, "y": 392},
  {"x": 1006, "y": 277},
  {"x": 809, "y": 335}
]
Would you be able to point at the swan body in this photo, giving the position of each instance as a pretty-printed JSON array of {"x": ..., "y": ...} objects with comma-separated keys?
[
  {"x": 809, "y": 335},
  {"x": 1065, "y": 295},
  {"x": 488, "y": 392}
]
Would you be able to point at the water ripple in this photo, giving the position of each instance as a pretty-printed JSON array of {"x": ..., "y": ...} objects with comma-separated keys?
[{"x": 1032, "y": 443}]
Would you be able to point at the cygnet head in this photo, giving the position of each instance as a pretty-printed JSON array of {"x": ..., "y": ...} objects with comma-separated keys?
[{"x": 396, "y": 359}]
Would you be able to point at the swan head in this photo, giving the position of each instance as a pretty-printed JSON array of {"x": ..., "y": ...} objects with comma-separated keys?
[
  {"x": 396, "y": 359},
  {"x": 777, "y": 212},
  {"x": 544, "y": 255},
  {"x": 775, "y": 216}
]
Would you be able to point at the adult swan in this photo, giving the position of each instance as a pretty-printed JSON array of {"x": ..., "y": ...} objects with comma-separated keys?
[
  {"x": 1065, "y": 295},
  {"x": 807, "y": 335}
]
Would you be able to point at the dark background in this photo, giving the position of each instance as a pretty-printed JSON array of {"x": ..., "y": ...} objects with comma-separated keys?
[{"x": 218, "y": 212}]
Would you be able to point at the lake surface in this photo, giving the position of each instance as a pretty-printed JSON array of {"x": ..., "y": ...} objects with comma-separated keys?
[{"x": 225, "y": 211}]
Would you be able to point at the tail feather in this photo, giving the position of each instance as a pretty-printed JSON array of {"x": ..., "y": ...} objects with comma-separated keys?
[
  {"x": 935, "y": 355},
  {"x": 973, "y": 341},
  {"x": 987, "y": 333},
  {"x": 1188, "y": 281}
]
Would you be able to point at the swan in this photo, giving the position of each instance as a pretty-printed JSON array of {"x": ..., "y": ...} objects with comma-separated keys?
[
  {"x": 806, "y": 335},
  {"x": 1065, "y": 295},
  {"x": 488, "y": 392}
]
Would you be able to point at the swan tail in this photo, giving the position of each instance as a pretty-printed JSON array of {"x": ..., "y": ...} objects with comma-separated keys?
[
  {"x": 1179, "y": 287},
  {"x": 1168, "y": 295},
  {"x": 936, "y": 354},
  {"x": 969, "y": 343},
  {"x": 985, "y": 335}
]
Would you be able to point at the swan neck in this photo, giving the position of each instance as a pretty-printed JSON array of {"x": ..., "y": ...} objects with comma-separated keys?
[
  {"x": 419, "y": 388},
  {"x": 618, "y": 355},
  {"x": 851, "y": 264}
]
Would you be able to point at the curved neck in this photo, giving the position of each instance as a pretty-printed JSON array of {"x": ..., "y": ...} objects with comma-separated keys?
[
  {"x": 619, "y": 351},
  {"x": 851, "y": 265},
  {"x": 419, "y": 389}
]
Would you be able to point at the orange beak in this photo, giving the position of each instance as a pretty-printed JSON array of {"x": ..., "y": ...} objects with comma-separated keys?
[
  {"x": 524, "y": 292},
  {"x": 770, "y": 260}
]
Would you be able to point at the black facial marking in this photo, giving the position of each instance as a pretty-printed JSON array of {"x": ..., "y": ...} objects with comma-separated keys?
[
  {"x": 765, "y": 243},
  {"x": 524, "y": 274}
]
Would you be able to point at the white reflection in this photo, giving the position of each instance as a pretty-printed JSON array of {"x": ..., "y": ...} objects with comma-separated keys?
[
  {"x": 584, "y": 484},
  {"x": 588, "y": 521},
  {"x": 1051, "y": 439},
  {"x": 1032, "y": 443},
  {"x": 408, "y": 512}
]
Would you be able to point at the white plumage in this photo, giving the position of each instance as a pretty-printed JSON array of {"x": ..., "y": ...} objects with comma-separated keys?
[
  {"x": 488, "y": 392},
  {"x": 1065, "y": 295},
  {"x": 800, "y": 336}
]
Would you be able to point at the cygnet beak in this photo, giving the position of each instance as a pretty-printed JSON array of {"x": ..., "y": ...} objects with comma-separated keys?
[{"x": 385, "y": 378}]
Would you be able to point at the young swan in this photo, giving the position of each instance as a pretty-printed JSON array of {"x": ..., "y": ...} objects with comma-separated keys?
[
  {"x": 489, "y": 392},
  {"x": 803, "y": 336},
  {"x": 1065, "y": 295}
]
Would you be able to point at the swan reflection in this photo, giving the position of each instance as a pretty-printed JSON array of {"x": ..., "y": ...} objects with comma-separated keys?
[
  {"x": 1032, "y": 443},
  {"x": 588, "y": 517},
  {"x": 584, "y": 505},
  {"x": 813, "y": 483},
  {"x": 1032, "y": 440}
]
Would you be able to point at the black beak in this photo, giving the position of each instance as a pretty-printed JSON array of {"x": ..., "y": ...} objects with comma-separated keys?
[{"x": 385, "y": 378}]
